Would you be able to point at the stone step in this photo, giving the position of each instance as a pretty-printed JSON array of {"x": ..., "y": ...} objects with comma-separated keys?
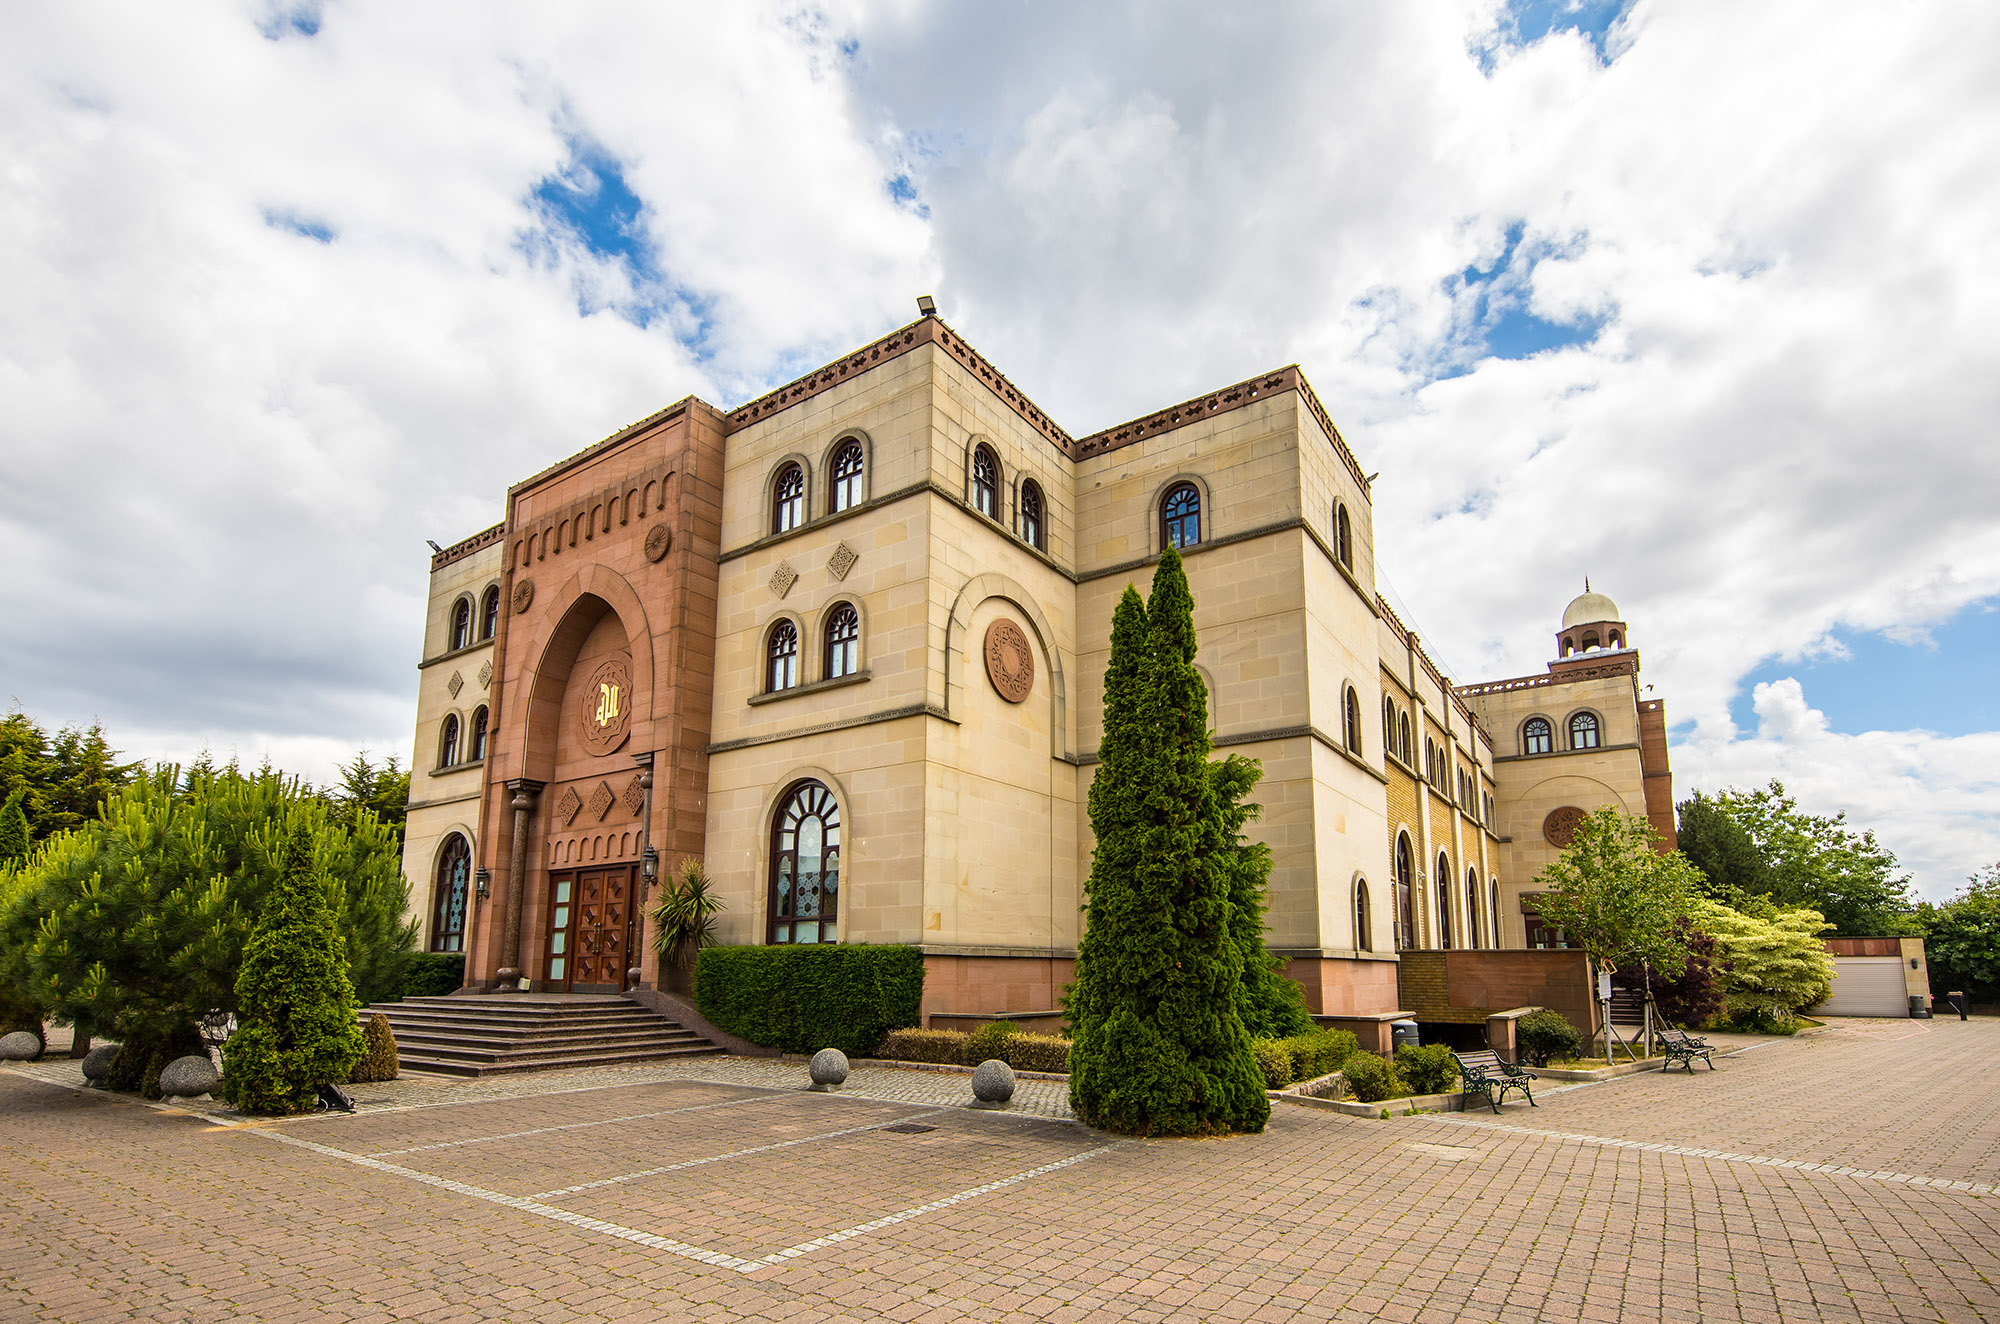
[
  {"x": 424, "y": 1043},
  {"x": 467, "y": 1036},
  {"x": 501, "y": 1065}
]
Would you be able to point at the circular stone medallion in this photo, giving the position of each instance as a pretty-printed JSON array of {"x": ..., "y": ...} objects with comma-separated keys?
[
  {"x": 1559, "y": 828},
  {"x": 604, "y": 706},
  {"x": 1010, "y": 661},
  {"x": 658, "y": 539},
  {"x": 524, "y": 594}
]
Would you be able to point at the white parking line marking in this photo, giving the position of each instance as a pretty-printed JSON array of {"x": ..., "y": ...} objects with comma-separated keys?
[
  {"x": 1725, "y": 1156},
  {"x": 575, "y": 1126},
  {"x": 737, "y": 1153}
]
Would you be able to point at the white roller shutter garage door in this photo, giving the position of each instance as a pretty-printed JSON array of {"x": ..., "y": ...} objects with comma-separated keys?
[{"x": 1867, "y": 986}]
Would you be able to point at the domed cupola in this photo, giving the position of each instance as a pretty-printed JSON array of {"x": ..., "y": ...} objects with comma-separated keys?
[{"x": 1590, "y": 622}]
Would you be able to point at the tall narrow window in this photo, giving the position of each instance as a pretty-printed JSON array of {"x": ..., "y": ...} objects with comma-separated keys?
[
  {"x": 1444, "y": 902},
  {"x": 489, "y": 612},
  {"x": 848, "y": 465},
  {"x": 477, "y": 749},
  {"x": 783, "y": 652},
  {"x": 1031, "y": 515},
  {"x": 1364, "y": 933},
  {"x": 1583, "y": 731},
  {"x": 1537, "y": 736},
  {"x": 843, "y": 642},
  {"x": 448, "y": 744},
  {"x": 1388, "y": 725},
  {"x": 805, "y": 866},
  {"x": 1493, "y": 903},
  {"x": 461, "y": 624},
  {"x": 1343, "y": 536},
  {"x": 1180, "y": 517},
  {"x": 448, "y": 902},
  {"x": 985, "y": 482},
  {"x": 788, "y": 499},
  {"x": 1472, "y": 909},
  {"x": 1406, "y": 869},
  {"x": 1353, "y": 716},
  {"x": 1404, "y": 723}
]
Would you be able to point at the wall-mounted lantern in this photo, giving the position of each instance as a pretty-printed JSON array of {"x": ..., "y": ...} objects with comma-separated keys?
[{"x": 483, "y": 880}]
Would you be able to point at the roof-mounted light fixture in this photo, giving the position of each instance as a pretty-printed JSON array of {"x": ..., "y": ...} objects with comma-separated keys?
[{"x": 927, "y": 305}]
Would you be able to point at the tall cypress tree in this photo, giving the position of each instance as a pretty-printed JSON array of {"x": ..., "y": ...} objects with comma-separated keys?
[
  {"x": 1160, "y": 1046},
  {"x": 1271, "y": 1005}
]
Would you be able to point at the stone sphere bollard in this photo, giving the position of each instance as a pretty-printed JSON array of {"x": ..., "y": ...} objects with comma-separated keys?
[
  {"x": 97, "y": 1063},
  {"x": 20, "y": 1046},
  {"x": 187, "y": 1077},
  {"x": 829, "y": 1069},
  {"x": 992, "y": 1084}
]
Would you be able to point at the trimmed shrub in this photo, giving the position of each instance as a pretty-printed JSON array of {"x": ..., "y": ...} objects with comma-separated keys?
[
  {"x": 945, "y": 1046},
  {"x": 433, "y": 975},
  {"x": 1317, "y": 1052},
  {"x": 802, "y": 999},
  {"x": 136, "y": 1069},
  {"x": 989, "y": 1042},
  {"x": 1034, "y": 1052},
  {"x": 1545, "y": 1036},
  {"x": 1428, "y": 1068},
  {"x": 378, "y": 1059},
  {"x": 1372, "y": 1079},
  {"x": 1274, "y": 1059}
]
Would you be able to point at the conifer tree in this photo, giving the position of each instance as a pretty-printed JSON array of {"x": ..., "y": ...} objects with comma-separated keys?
[
  {"x": 14, "y": 828},
  {"x": 1271, "y": 1005},
  {"x": 297, "y": 1027},
  {"x": 1160, "y": 1046}
]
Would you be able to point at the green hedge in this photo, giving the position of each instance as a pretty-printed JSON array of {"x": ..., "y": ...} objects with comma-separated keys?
[
  {"x": 803, "y": 999},
  {"x": 1372, "y": 1079},
  {"x": 1429, "y": 1068},
  {"x": 432, "y": 975},
  {"x": 1036, "y": 1052},
  {"x": 939, "y": 1046}
]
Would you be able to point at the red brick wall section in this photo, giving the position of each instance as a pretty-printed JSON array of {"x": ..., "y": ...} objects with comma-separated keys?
[
  {"x": 1466, "y": 987},
  {"x": 1659, "y": 777}
]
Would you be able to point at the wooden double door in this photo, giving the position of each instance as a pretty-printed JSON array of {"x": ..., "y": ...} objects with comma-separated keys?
[{"x": 592, "y": 929}]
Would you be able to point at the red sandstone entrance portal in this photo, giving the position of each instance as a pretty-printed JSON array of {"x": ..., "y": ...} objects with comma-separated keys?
[{"x": 590, "y": 930}]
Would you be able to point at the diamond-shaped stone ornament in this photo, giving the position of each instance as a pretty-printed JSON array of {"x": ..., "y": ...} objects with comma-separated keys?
[
  {"x": 601, "y": 801},
  {"x": 842, "y": 560},
  {"x": 783, "y": 578},
  {"x": 568, "y": 805},
  {"x": 455, "y": 684}
]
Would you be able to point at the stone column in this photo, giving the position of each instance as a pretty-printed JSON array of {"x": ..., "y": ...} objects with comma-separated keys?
[{"x": 517, "y": 883}]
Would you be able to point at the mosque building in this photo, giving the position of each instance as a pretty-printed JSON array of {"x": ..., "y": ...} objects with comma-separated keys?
[{"x": 845, "y": 643}]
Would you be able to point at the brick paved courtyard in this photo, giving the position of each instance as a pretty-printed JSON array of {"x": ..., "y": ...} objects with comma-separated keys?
[{"x": 1842, "y": 1176}]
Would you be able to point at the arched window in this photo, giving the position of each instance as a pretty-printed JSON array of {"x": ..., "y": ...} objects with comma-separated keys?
[
  {"x": 1364, "y": 933},
  {"x": 1444, "y": 901},
  {"x": 1343, "y": 536},
  {"x": 1404, "y": 722},
  {"x": 843, "y": 642},
  {"x": 1590, "y": 641},
  {"x": 985, "y": 482},
  {"x": 448, "y": 745},
  {"x": 788, "y": 499},
  {"x": 1388, "y": 725},
  {"x": 848, "y": 465},
  {"x": 1031, "y": 515},
  {"x": 1353, "y": 708},
  {"x": 1180, "y": 516},
  {"x": 1472, "y": 909},
  {"x": 1493, "y": 906},
  {"x": 476, "y": 750},
  {"x": 1537, "y": 736},
  {"x": 1406, "y": 933},
  {"x": 461, "y": 624},
  {"x": 1583, "y": 731},
  {"x": 805, "y": 866},
  {"x": 783, "y": 653},
  {"x": 448, "y": 903},
  {"x": 489, "y": 612}
]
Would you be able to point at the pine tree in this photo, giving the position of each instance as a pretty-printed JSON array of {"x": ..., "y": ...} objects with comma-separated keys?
[
  {"x": 1160, "y": 1046},
  {"x": 297, "y": 1027},
  {"x": 14, "y": 827}
]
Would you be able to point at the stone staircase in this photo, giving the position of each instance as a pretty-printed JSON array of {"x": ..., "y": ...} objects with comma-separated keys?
[{"x": 491, "y": 1034}]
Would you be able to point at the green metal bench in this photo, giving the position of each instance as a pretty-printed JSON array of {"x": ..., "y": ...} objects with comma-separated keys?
[
  {"x": 1489, "y": 1078},
  {"x": 1684, "y": 1048}
]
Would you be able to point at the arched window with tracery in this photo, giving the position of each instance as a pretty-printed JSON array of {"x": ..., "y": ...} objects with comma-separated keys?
[
  {"x": 1352, "y": 709},
  {"x": 1473, "y": 907},
  {"x": 448, "y": 743},
  {"x": 454, "y": 871},
  {"x": 1583, "y": 731},
  {"x": 1364, "y": 933},
  {"x": 843, "y": 642},
  {"x": 1343, "y": 536},
  {"x": 1444, "y": 902},
  {"x": 782, "y": 654},
  {"x": 476, "y": 748},
  {"x": 1537, "y": 736},
  {"x": 849, "y": 471},
  {"x": 1180, "y": 516},
  {"x": 985, "y": 482},
  {"x": 1406, "y": 868},
  {"x": 805, "y": 866},
  {"x": 1032, "y": 516},
  {"x": 489, "y": 612},
  {"x": 788, "y": 499},
  {"x": 461, "y": 624}
]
